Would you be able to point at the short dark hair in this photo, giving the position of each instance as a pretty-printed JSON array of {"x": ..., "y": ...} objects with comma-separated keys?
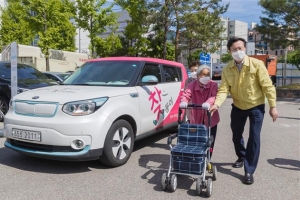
[
  {"x": 233, "y": 40},
  {"x": 194, "y": 63}
]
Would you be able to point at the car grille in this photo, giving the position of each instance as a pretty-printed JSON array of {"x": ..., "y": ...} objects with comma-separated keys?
[
  {"x": 41, "y": 147},
  {"x": 35, "y": 109}
]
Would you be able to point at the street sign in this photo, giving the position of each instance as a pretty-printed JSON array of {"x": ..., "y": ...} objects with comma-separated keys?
[{"x": 204, "y": 58}]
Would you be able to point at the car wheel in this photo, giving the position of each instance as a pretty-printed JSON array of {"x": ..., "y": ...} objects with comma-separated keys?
[
  {"x": 118, "y": 144},
  {"x": 3, "y": 108}
]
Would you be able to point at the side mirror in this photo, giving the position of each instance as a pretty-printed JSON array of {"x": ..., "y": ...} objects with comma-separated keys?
[{"x": 149, "y": 80}]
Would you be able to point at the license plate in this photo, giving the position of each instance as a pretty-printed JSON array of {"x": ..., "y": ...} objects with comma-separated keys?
[{"x": 26, "y": 135}]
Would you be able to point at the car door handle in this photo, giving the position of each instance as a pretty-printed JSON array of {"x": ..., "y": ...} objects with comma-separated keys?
[{"x": 164, "y": 93}]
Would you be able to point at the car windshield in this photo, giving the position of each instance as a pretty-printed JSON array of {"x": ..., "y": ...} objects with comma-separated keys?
[
  {"x": 104, "y": 73},
  {"x": 24, "y": 72}
]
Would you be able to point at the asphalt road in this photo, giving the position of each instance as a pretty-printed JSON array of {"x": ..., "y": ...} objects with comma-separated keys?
[{"x": 277, "y": 175}]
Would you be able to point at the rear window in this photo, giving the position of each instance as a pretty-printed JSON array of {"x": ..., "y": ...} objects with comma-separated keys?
[
  {"x": 24, "y": 72},
  {"x": 172, "y": 74}
]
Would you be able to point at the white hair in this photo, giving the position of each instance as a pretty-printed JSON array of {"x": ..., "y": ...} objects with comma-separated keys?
[{"x": 202, "y": 67}]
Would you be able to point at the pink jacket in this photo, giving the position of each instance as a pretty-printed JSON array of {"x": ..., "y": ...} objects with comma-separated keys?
[{"x": 197, "y": 95}]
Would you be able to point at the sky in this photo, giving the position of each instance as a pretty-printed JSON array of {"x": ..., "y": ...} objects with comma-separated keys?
[{"x": 243, "y": 10}]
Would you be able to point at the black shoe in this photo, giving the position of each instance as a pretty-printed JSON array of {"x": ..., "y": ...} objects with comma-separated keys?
[
  {"x": 239, "y": 163},
  {"x": 248, "y": 179}
]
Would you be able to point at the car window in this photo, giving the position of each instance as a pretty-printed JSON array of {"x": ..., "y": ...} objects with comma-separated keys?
[
  {"x": 63, "y": 76},
  {"x": 51, "y": 77},
  {"x": 24, "y": 72},
  {"x": 152, "y": 69},
  {"x": 172, "y": 74},
  {"x": 110, "y": 73}
]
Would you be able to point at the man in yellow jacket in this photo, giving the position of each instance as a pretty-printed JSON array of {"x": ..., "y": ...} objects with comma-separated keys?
[{"x": 247, "y": 80}]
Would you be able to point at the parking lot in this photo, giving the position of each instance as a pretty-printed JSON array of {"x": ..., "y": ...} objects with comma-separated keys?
[{"x": 277, "y": 175}]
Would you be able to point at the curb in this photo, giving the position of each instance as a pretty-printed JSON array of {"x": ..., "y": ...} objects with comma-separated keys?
[{"x": 288, "y": 99}]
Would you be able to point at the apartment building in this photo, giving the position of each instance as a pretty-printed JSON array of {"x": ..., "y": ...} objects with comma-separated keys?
[{"x": 262, "y": 47}]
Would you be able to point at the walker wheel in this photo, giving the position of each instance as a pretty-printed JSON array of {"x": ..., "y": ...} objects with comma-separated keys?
[
  {"x": 164, "y": 182},
  {"x": 199, "y": 186},
  {"x": 173, "y": 183},
  {"x": 214, "y": 172},
  {"x": 209, "y": 187}
]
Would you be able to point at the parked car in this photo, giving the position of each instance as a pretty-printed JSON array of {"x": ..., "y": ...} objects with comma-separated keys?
[
  {"x": 28, "y": 78},
  {"x": 99, "y": 111},
  {"x": 57, "y": 76}
]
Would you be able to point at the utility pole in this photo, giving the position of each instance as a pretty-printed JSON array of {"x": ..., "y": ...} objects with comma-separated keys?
[{"x": 285, "y": 62}]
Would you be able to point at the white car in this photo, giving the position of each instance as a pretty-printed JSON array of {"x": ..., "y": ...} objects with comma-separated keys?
[{"x": 101, "y": 109}]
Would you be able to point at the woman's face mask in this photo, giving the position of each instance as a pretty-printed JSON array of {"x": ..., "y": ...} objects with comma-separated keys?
[{"x": 204, "y": 80}]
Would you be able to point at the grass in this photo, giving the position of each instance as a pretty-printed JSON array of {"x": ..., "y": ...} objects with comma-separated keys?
[{"x": 295, "y": 86}]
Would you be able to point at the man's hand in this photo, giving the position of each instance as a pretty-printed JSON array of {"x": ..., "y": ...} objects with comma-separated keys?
[
  {"x": 273, "y": 113},
  {"x": 213, "y": 109}
]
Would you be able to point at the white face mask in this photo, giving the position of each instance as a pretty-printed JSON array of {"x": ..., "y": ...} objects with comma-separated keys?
[
  {"x": 204, "y": 80},
  {"x": 238, "y": 55},
  {"x": 194, "y": 75}
]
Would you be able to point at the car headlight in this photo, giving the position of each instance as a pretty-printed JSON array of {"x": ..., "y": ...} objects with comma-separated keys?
[{"x": 84, "y": 107}]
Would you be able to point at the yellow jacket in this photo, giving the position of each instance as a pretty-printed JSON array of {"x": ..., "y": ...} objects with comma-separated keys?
[{"x": 248, "y": 87}]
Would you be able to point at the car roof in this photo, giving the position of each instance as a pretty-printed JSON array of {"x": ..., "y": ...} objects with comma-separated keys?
[{"x": 161, "y": 61}]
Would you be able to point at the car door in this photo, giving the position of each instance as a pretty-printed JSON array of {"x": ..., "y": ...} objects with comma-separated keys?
[
  {"x": 174, "y": 87},
  {"x": 153, "y": 98}
]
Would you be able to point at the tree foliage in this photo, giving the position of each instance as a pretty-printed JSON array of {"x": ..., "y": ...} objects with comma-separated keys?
[
  {"x": 225, "y": 58},
  {"x": 202, "y": 27},
  {"x": 14, "y": 27},
  {"x": 282, "y": 25},
  {"x": 137, "y": 27},
  {"x": 294, "y": 58},
  {"x": 93, "y": 17},
  {"x": 49, "y": 20}
]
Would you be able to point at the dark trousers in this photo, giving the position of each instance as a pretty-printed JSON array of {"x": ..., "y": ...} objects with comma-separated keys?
[
  {"x": 213, "y": 132},
  {"x": 250, "y": 154}
]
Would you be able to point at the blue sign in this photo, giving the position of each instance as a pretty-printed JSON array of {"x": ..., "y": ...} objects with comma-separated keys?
[{"x": 204, "y": 58}]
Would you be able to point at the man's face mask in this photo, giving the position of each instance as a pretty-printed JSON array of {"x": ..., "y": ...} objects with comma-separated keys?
[{"x": 238, "y": 55}]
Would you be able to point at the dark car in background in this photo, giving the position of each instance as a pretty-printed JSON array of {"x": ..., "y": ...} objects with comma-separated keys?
[
  {"x": 28, "y": 78},
  {"x": 57, "y": 76}
]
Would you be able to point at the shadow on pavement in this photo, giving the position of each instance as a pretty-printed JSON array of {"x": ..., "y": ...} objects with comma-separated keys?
[
  {"x": 157, "y": 164},
  {"x": 222, "y": 168},
  {"x": 152, "y": 140},
  {"x": 39, "y": 165},
  {"x": 289, "y": 118},
  {"x": 283, "y": 163}
]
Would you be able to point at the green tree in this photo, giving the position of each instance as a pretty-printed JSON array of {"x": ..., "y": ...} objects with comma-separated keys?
[
  {"x": 161, "y": 16},
  {"x": 281, "y": 25},
  {"x": 50, "y": 20},
  {"x": 202, "y": 27},
  {"x": 93, "y": 17},
  {"x": 225, "y": 58},
  {"x": 108, "y": 46},
  {"x": 137, "y": 27},
  {"x": 194, "y": 56},
  {"x": 14, "y": 27},
  {"x": 294, "y": 58}
]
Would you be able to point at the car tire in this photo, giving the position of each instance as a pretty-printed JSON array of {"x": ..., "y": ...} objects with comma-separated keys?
[
  {"x": 3, "y": 107},
  {"x": 118, "y": 144}
]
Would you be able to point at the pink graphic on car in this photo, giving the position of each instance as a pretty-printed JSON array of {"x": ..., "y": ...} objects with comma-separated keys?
[{"x": 155, "y": 97}]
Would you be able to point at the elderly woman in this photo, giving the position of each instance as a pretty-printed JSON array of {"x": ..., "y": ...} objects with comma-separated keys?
[{"x": 203, "y": 92}]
